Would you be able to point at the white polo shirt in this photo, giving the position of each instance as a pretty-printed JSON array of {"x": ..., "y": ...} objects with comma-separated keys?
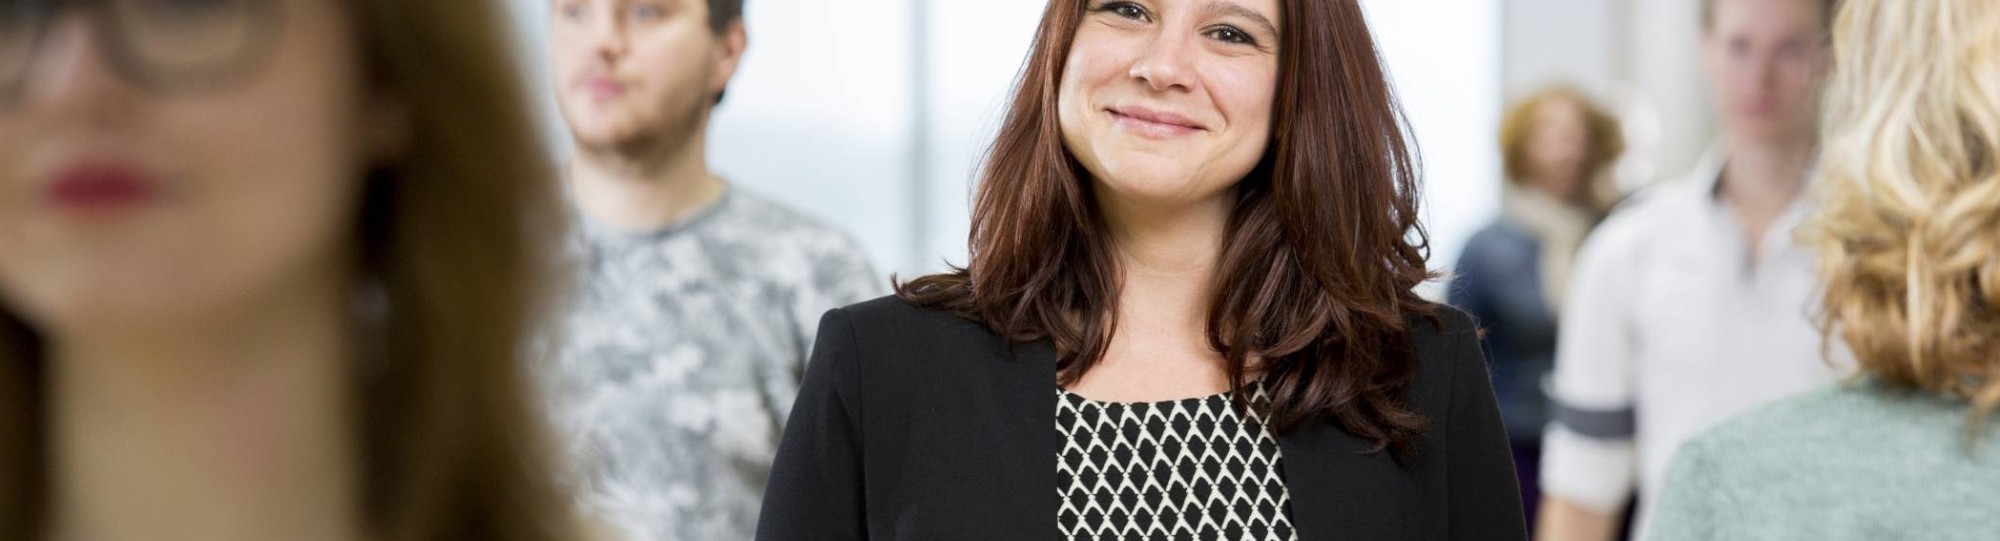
[{"x": 1671, "y": 326}]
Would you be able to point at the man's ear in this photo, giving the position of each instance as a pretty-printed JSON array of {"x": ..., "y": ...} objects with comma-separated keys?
[{"x": 730, "y": 44}]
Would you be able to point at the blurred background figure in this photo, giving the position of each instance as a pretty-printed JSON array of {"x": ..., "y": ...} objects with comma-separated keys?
[
  {"x": 1909, "y": 192},
  {"x": 695, "y": 303},
  {"x": 1689, "y": 304},
  {"x": 266, "y": 267},
  {"x": 1558, "y": 147}
]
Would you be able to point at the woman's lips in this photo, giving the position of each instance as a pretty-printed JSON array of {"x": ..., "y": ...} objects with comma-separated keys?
[
  {"x": 1153, "y": 123},
  {"x": 100, "y": 187}
]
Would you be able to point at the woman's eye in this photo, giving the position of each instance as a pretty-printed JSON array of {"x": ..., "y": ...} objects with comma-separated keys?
[
  {"x": 647, "y": 12},
  {"x": 1125, "y": 10},
  {"x": 1231, "y": 35}
]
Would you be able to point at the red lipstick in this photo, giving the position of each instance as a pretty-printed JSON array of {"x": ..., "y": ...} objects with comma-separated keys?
[{"x": 100, "y": 187}]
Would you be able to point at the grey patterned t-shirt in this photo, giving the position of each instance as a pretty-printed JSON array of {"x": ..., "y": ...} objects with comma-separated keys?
[{"x": 679, "y": 358}]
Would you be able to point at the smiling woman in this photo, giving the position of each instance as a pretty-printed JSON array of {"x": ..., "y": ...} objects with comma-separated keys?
[{"x": 1188, "y": 312}]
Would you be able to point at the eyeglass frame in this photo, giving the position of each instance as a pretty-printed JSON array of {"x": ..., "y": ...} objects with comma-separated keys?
[{"x": 266, "y": 25}]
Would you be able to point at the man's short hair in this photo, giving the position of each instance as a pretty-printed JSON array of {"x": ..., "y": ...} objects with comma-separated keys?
[
  {"x": 723, "y": 12},
  {"x": 720, "y": 14}
]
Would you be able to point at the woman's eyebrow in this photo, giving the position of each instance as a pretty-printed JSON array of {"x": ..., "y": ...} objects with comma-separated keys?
[{"x": 1226, "y": 8}]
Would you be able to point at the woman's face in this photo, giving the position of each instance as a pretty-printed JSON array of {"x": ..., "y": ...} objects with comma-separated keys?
[
  {"x": 1557, "y": 148},
  {"x": 1168, "y": 102},
  {"x": 189, "y": 158}
]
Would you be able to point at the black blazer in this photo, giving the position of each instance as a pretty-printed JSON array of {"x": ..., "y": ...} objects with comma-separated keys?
[{"x": 915, "y": 424}]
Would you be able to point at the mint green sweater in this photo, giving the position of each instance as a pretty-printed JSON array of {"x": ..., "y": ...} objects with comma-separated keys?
[{"x": 1853, "y": 462}]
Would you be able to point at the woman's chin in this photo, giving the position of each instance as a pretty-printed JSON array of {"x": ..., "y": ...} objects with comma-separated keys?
[
  {"x": 1161, "y": 187},
  {"x": 110, "y": 306},
  {"x": 1163, "y": 202}
]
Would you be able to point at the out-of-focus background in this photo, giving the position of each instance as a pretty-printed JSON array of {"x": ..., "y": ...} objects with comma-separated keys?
[{"x": 874, "y": 114}]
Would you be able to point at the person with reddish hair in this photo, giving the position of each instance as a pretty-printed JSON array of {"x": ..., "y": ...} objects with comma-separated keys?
[
  {"x": 1188, "y": 313},
  {"x": 1557, "y": 146}
]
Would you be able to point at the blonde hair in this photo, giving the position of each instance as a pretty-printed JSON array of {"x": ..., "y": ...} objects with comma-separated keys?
[{"x": 1909, "y": 194}]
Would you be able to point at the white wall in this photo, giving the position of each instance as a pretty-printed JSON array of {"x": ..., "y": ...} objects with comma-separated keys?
[
  {"x": 1579, "y": 42},
  {"x": 819, "y": 117},
  {"x": 977, "y": 50},
  {"x": 1444, "y": 57}
]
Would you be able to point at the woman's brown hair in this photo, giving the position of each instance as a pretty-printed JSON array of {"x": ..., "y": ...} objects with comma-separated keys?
[
  {"x": 455, "y": 236},
  {"x": 1322, "y": 250}
]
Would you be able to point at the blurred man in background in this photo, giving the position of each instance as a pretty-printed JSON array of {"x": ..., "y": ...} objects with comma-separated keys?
[
  {"x": 696, "y": 301},
  {"x": 1690, "y": 304}
]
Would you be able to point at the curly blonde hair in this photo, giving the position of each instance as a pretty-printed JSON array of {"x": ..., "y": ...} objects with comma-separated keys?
[{"x": 1909, "y": 194}]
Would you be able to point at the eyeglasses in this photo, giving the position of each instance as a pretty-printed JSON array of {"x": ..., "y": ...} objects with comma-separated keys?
[{"x": 159, "y": 45}]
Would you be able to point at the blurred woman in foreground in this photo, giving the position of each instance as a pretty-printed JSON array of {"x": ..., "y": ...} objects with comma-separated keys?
[{"x": 265, "y": 268}]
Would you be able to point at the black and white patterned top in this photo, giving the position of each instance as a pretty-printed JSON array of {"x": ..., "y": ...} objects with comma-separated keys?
[{"x": 1183, "y": 469}]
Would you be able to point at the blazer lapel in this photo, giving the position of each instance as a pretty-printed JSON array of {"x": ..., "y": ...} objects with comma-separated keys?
[
  {"x": 1027, "y": 387},
  {"x": 1336, "y": 491}
]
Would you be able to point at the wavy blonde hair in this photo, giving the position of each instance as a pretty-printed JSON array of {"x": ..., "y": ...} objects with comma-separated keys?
[{"x": 1909, "y": 193}]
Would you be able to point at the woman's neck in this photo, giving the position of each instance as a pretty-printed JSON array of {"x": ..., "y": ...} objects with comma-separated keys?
[
  {"x": 1167, "y": 256},
  {"x": 1167, "y": 260},
  {"x": 229, "y": 428}
]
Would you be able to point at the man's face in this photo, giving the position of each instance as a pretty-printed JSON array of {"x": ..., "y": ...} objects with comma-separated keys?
[
  {"x": 631, "y": 72},
  {"x": 1765, "y": 61}
]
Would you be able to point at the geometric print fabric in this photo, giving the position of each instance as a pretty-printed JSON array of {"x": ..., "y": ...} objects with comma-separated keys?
[{"x": 1191, "y": 469}]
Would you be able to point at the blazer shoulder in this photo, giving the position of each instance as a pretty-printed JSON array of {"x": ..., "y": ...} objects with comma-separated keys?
[
  {"x": 1444, "y": 326},
  {"x": 894, "y": 336},
  {"x": 1446, "y": 346},
  {"x": 893, "y": 315}
]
